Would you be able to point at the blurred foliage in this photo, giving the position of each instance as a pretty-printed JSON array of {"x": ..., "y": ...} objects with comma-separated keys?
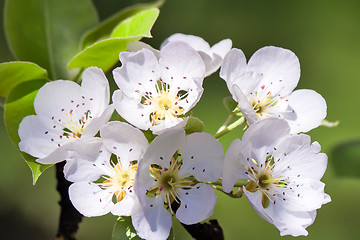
[
  {"x": 346, "y": 159},
  {"x": 324, "y": 35},
  {"x": 48, "y": 32}
]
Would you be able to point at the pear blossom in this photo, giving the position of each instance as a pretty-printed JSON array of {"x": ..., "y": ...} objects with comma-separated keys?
[
  {"x": 156, "y": 93},
  {"x": 212, "y": 56},
  {"x": 174, "y": 172},
  {"x": 284, "y": 173},
  {"x": 65, "y": 113},
  {"x": 102, "y": 185},
  {"x": 264, "y": 86}
]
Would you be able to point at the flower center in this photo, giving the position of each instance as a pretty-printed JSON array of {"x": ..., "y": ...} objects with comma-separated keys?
[
  {"x": 75, "y": 128},
  {"x": 262, "y": 179},
  {"x": 168, "y": 181},
  {"x": 262, "y": 105},
  {"x": 163, "y": 105},
  {"x": 163, "y": 102},
  {"x": 121, "y": 181}
]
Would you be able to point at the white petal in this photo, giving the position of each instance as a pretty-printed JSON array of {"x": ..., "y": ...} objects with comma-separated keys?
[
  {"x": 89, "y": 199},
  {"x": 143, "y": 181},
  {"x": 192, "y": 88},
  {"x": 234, "y": 170},
  {"x": 137, "y": 46},
  {"x": 280, "y": 69},
  {"x": 138, "y": 74},
  {"x": 98, "y": 122},
  {"x": 212, "y": 63},
  {"x": 125, "y": 206},
  {"x": 95, "y": 89},
  {"x": 212, "y": 56},
  {"x": 181, "y": 123},
  {"x": 38, "y": 139},
  {"x": 222, "y": 48},
  {"x": 124, "y": 141},
  {"x": 68, "y": 151},
  {"x": 292, "y": 222},
  {"x": 309, "y": 110},
  {"x": 133, "y": 112},
  {"x": 197, "y": 204},
  {"x": 299, "y": 157},
  {"x": 179, "y": 62},
  {"x": 151, "y": 220},
  {"x": 263, "y": 134},
  {"x": 255, "y": 201},
  {"x": 90, "y": 161},
  {"x": 58, "y": 155},
  {"x": 55, "y": 96},
  {"x": 164, "y": 146},
  {"x": 202, "y": 157},
  {"x": 195, "y": 42},
  {"x": 304, "y": 195},
  {"x": 284, "y": 216},
  {"x": 244, "y": 105},
  {"x": 232, "y": 67},
  {"x": 169, "y": 122},
  {"x": 300, "y": 220}
]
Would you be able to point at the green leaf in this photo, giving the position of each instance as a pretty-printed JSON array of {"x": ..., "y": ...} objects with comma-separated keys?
[
  {"x": 14, "y": 73},
  {"x": 229, "y": 103},
  {"x": 104, "y": 29},
  {"x": 20, "y": 103},
  {"x": 48, "y": 32},
  {"x": 346, "y": 159},
  {"x": 105, "y": 53},
  {"x": 123, "y": 229},
  {"x": 138, "y": 25}
]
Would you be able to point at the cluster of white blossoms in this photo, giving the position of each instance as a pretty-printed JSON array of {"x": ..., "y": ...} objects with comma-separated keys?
[{"x": 115, "y": 169}]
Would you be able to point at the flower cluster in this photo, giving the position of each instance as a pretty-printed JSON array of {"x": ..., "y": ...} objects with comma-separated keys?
[{"x": 174, "y": 172}]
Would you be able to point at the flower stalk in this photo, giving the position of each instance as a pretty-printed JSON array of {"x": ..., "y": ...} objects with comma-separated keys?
[{"x": 224, "y": 129}]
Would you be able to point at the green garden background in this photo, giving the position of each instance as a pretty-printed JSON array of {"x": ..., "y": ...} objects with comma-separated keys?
[{"x": 324, "y": 34}]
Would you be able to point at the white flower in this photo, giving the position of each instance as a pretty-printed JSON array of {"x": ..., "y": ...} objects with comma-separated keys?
[
  {"x": 212, "y": 56},
  {"x": 174, "y": 170},
  {"x": 65, "y": 112},
  {"x": 284, "y": 173},
  {"x": 100, "y": 184},
  {"x": 264, "y": 87},
  {"x": 156, "y": 93}
]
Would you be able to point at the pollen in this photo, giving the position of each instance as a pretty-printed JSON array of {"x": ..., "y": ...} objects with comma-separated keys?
[
  {"x": 121, "y": 181},
  {"x": 263, "y": 180},
  {"x": 75, "y": 125},
  {"x": 169, "y": 181},
  {"x": 164, "y": 103},
  {"x": 263, "y": 105}
]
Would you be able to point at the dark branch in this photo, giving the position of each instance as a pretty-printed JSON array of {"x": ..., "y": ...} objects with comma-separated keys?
[
  {"x": 202, "y": 231},
  {"x": 205, "y": 231},
  {"x": 69, "y": 216}
]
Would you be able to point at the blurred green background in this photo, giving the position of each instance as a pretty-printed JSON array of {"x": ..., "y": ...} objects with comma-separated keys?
[{"x": 324, "y": 34}]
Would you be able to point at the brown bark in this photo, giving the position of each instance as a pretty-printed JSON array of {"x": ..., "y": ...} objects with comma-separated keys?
[{"x": 69, "y": 216}]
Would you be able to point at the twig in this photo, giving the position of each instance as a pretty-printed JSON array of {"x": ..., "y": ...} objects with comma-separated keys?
[
  {"x": 206, "y": 231},
  {"x": 69, "y": 216},
  {"x": 202, "y": 231}
]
